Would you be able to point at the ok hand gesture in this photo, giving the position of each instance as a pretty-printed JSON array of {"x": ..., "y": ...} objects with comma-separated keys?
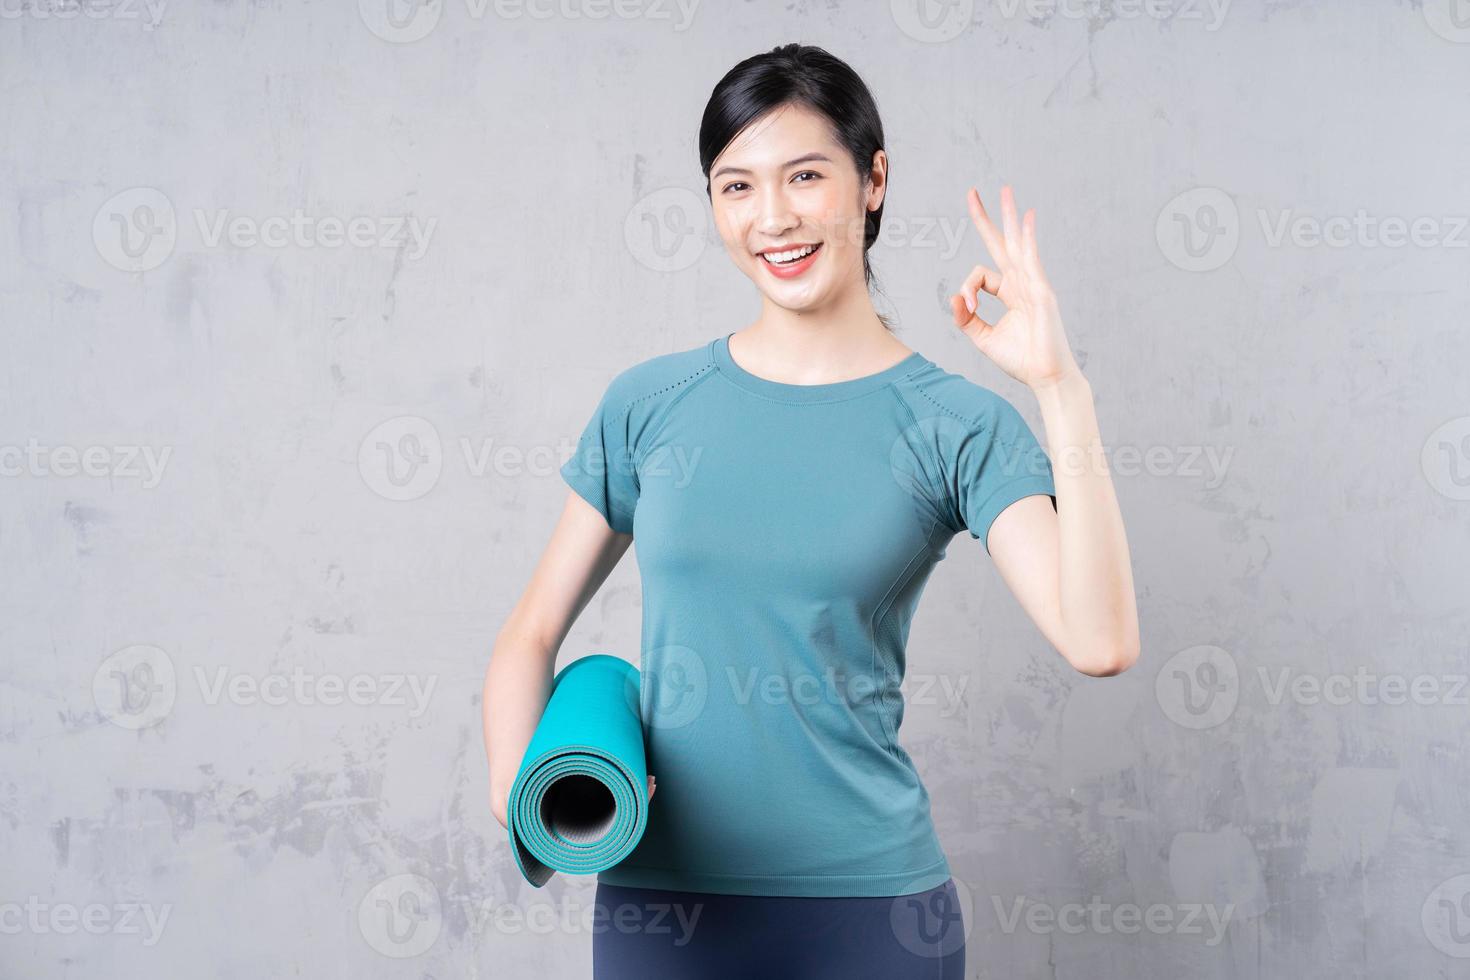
[{"x": 1027, "y": 342}]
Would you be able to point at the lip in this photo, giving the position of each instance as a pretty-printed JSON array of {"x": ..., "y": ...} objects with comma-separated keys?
[{"x": 794, "y": 269}]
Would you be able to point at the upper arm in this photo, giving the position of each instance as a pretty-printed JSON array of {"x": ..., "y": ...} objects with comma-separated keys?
[
  {"x": 1005, "y": 494},
  {"x": 582, "y": 552},
  {"x": 1023, "y": 543},
  {"x": 596, "y": 523}
]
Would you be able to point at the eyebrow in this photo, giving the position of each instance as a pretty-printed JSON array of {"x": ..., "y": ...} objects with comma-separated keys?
[{"x": 808, "y": 158}]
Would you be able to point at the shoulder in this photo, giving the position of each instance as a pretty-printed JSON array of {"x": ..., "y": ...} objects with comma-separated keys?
[
  {"x": 933, "y": 392},
  {"x": 658, "y": 380}
]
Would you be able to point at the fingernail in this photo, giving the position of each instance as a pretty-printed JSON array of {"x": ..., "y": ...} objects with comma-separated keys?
[{"x": 970, "y": 304}]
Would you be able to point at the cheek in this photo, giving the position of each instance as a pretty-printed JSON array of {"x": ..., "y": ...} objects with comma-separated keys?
[
  {"x": 732, "y": 229},
  {"x": 842, "y": 226}
]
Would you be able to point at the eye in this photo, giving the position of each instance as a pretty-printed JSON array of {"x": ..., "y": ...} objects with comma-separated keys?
[
  {"x": 733, "y": 184},
  {"x": 805, "y": 172}
]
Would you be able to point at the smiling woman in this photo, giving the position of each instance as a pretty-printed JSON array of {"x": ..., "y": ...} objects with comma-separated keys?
[
  {"x": 796, "y": 552},
  {"x": 834, "y": 465}
]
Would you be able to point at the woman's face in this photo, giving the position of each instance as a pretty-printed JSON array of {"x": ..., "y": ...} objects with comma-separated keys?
[{"x": 782, "y": 183}]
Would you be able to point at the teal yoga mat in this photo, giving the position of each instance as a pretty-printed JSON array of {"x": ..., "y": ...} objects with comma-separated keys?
[{"x": 579, "y": 803}]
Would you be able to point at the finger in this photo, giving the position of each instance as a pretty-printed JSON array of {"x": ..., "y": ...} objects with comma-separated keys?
[
  {"x": 1029, "y": 250},
  {"x": 1008, "y": 219},
  {"x": 970, "y": 323},
  {"x": 980, "y": 278},
  {"x": 994, "y": 244}
]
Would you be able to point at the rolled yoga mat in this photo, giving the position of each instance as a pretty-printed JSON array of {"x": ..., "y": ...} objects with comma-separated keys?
[{"x": 579, "y": 803}]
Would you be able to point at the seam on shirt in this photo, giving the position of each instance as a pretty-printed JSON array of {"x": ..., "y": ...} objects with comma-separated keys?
[
  {"x": 943, "y": 860},
  {"x": 1043, "y": 485},
  {"x": 938, "y": 463},
  {"x": 879, "y": 615},
  {"x": 886, "y": 606},
  {"x": 1011, "y": 484},
  {"x": 621, "y": 419},
  {"x": 668, "y": 410},
  {"x": 670, "y": 387},
  {"x": 949, "y": 411},
  {"x": 818, "y": 401},
  {"x": 643, "y": 625}
]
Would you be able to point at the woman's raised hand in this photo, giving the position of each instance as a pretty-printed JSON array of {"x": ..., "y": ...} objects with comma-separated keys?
[{"x": 1027, "y": 342}]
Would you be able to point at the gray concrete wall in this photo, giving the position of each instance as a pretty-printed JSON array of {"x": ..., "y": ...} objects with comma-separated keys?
[{"x": 303, "y": 305}]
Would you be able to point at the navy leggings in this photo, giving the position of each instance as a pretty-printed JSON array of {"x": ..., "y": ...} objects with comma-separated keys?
[{"x": 643, "y": 933}]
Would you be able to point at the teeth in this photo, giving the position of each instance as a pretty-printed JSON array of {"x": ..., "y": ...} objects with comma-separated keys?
[{"x": 780, "y": 258}]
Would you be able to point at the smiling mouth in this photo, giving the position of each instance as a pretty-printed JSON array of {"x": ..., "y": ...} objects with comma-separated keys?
[{"x": 790, "y": 256}]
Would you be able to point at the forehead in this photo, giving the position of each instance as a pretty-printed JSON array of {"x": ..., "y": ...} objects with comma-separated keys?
[{"x": 778, "y": 136}]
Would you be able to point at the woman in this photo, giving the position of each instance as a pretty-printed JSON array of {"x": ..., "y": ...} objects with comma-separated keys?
[{"x": 791, "y": 485}]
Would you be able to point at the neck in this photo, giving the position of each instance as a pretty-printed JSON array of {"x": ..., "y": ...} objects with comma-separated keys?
[{"x": 840, "y": 340}]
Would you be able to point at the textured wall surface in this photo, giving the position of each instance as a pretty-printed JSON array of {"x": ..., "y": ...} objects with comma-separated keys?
[{"x": 304, "y": 303}]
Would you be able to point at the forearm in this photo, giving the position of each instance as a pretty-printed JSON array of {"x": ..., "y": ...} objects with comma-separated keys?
[
  {"x": 517, "y": 687},
  {"x": 1096, "y": 599}
]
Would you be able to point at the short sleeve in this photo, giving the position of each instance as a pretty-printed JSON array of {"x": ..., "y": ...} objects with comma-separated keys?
[
  {"x": 999, "y": 463},
  {"x": 601, "y": 469}
]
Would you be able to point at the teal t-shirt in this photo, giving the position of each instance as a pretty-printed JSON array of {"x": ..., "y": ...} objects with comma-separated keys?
[{"x": 784, "y": 534}]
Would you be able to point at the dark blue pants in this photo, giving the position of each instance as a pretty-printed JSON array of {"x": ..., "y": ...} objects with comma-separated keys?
[{"x": 644, "y": 933}]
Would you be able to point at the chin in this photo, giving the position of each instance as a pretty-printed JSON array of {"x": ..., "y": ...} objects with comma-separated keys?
[{"x": 801, "y": 301}]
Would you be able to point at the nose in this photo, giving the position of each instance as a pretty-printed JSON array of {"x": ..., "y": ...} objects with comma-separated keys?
[{"x": 776, "y": 215}]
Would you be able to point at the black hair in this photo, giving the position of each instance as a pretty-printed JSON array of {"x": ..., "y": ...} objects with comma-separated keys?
[{"x": 806, "y": 75}]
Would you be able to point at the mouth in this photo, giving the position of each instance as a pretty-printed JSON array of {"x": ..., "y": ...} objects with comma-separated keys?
[{"x": 791, "y": 257}]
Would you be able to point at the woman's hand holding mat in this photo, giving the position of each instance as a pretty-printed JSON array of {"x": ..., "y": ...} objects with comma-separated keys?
[{"x": 579, "y": 803}]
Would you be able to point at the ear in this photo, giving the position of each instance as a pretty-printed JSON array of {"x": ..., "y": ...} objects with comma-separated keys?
[{"x": 877, "y": 181}]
